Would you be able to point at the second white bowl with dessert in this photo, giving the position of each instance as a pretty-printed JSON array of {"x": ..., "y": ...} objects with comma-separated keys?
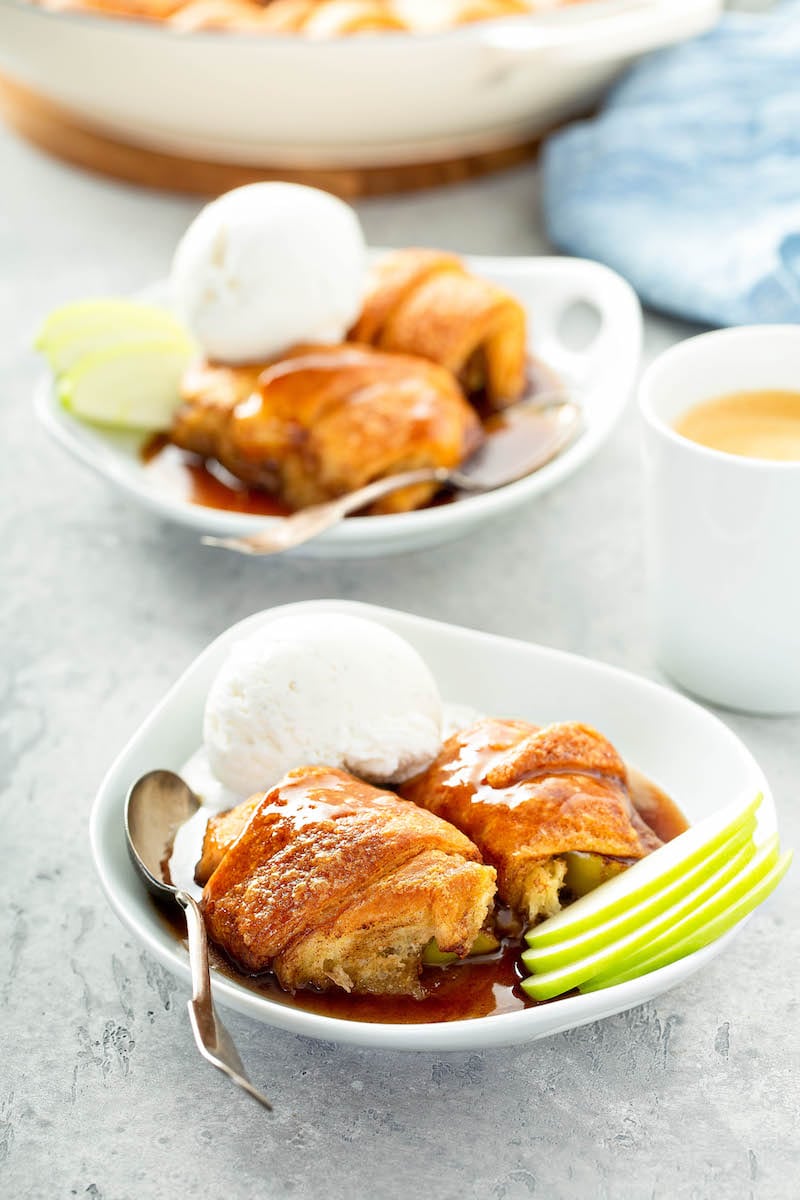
[{"x": 256, "y": 408}]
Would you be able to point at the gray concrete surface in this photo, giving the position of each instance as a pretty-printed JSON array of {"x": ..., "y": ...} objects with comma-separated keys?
[{"x": 101, "y": 1092}]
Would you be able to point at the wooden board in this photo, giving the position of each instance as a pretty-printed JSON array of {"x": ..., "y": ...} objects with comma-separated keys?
[{"x": 64, "y": 136}]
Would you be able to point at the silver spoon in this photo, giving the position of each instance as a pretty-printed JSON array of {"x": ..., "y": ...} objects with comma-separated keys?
[
  {"x": 155, "y": 807},
  {"x": 529, "y": 435}
]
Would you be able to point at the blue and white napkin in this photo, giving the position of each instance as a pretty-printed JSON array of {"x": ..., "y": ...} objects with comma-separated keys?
[{"x": 688, "y": 182}]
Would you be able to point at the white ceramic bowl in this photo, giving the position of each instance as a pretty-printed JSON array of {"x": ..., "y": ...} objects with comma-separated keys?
[
  {"x": 689, "y": 752},
  {"x": 347, "y": 102},
  {"x": 601, "y": 375},
  {"x": 723, "y": 531}
]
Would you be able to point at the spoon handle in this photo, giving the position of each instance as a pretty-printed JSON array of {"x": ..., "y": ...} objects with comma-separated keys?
[
  {"x": 212, "y": 1038},
  {"x": 309, "y": 522}
]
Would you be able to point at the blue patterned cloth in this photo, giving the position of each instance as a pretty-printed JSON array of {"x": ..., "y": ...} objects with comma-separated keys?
[{"x": 688, "y": 182}]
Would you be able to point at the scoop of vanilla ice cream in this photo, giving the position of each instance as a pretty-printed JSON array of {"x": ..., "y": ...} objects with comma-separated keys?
[
  {"x": 266, "y": 266},
  {"x": 321, "y": 689}
]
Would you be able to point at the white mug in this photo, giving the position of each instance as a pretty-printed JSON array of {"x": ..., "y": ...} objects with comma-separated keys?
[{"x": 723, "y": 531}]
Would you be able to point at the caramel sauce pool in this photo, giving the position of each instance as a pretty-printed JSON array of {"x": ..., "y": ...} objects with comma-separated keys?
[
  {"x": 761, "y": 424},
  {"x": 470, "y": 989},
  {"x": 207, "y": 483},
  {"x": 479, "y": 987}
]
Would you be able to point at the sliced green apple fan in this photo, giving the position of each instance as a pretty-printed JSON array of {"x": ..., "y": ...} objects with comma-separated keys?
[
  {"x": 116, "y": 362},
  {"x": 677, "y": 900}
]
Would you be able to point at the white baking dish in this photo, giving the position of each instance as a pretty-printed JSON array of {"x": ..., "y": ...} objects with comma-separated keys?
[{"x": 293, "y": 101}]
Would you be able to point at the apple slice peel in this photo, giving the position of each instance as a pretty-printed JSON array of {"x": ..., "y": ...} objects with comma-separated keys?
[
  {"x": 117, "y": 363},
  {"x": 577, "y": 967},
  {"x": 681, "y": 919},
  {"x": 606, "y": 931},
  {"x": 656, "y": 871},
  {"x": 708, "y": 932}
]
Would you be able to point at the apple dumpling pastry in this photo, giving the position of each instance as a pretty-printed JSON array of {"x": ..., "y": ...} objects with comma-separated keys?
[
  {"x": 326, "y": 18},
  {"x": 528, "y": 796},
  {"x": 425, "y": 302},
  {"x": 316, "y": 18},
  {"x": 325, "y": 420},
  {"x": 146, "y": 10},
  {"x": 326, "y": 880},
  {"x": 331, "y": 17}
]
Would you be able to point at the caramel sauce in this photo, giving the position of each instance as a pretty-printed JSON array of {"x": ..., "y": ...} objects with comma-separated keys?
[
  {"x": 485, "y": 986},
  {"x": 758, "y": 424},
  {"x": 655, "y": 807},
  {"x": 205, "y": 482},
  {"x": 481, "y": 987}
]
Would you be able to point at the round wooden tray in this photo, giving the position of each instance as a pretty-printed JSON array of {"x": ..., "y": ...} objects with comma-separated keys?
[{"x": 59, "y": 133}]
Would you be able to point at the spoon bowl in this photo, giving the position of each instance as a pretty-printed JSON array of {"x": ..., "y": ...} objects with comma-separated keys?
[
  {"x": 520, "y": 440},
  {"x": 155, "y": 807}
]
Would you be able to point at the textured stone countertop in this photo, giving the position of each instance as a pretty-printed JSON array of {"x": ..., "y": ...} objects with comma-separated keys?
[{"x": 101, "y": 1091}]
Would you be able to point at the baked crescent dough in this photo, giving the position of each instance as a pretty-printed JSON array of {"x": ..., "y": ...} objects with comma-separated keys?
[
  {"x": 246, "y": 16},
  {"x": 526, "y": 796},
  {"x": 325, "y": 420},
  {"x": 330, "y": 881},
  {"x": 426, "y": 303},
  {"x": 315, "y": 18}
]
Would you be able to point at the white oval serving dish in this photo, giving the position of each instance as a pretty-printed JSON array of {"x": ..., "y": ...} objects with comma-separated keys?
[
  {"x": 601, "y": 375},
  {"x": 291, "y": 101},
  {"x": 682, "y": 747}
]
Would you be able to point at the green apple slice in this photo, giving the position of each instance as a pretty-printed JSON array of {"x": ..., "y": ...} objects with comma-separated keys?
[
  {"x": 585, "y": 872},
  {"x": 95, "y": 325},
  {"x": 652, "y": 874},
  {"x": 135, "y": 385},
  {"x": 85, "y": 317},
  {"x": 604, "y": 932},
  {"x": 712, "y": 899},
  {"x": 705, "y": 933},
  {"x": 64, "y": 355},
  {"x": 432, "y": 956},
  {"x": 576, "y": 962}
]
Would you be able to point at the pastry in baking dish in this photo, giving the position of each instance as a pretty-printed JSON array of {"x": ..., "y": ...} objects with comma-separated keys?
[
  {"x": 327, "y": 880},
  {"x": 331, "y": 18},
  {"x": 312, "y": 18},
  {"x": 326, "y": 420},
  {"x": 527, "y": 796}
]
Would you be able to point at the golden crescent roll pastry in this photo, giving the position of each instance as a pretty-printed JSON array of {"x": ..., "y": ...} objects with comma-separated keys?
[
  {"x": 526, "y": 796},
  {"x": 330, "y": 881},
  {"x": 430, "y": 15},
  {"x": 222, "y": 830},
  {"x": 315, "y": 18},
  {"x": 467, "y": 11},
  {"x": 330, "y": 18},
  {"x": 219, "y": 14},
  {"x": 336, "y": 17},
  {"x": 146, "y": 10},
  {"x": 287, "y": 16},
  {"x": 210, "y": 393},
  {"x": 325, "y": 420},
  {"x": 425, "y": 302}
]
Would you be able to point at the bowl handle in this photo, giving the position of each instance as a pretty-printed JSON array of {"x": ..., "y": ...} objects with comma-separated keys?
[{"x": 628, "y": 28}]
